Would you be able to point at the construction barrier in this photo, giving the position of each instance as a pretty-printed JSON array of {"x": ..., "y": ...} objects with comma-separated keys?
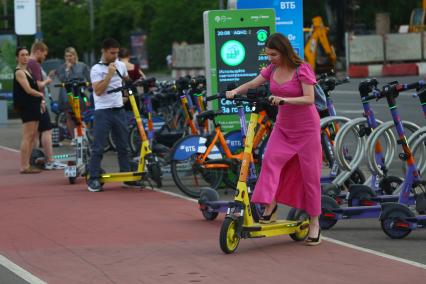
[{"x": 386, "y": 55}]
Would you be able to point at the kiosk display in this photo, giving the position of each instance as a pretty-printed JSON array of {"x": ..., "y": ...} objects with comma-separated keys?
[{"x": 235, "y": 52}]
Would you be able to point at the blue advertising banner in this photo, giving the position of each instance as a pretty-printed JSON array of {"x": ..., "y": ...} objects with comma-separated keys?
[{"x": 289, "y": 18}]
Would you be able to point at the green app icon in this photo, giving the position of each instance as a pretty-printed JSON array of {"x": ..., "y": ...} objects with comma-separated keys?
[
  {"x": 262, "y": 35},
  {"x": 232, "y": 52}
]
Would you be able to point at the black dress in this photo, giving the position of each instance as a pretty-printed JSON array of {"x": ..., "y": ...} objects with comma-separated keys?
[{"x": 26, "y": 105}]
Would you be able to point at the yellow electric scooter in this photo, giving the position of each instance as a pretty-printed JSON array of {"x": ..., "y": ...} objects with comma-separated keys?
[
  {"x": 148, "y": 166},
  {"x": 239, "y": 222}
]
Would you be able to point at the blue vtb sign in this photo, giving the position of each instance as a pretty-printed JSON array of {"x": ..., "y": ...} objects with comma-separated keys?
[{"x": 289, "y": 18}]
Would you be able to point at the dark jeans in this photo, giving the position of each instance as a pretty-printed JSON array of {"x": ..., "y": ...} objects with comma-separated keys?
[{"x": 107, "y": 120}]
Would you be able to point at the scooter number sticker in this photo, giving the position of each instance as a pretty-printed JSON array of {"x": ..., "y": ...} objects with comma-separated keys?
[
  {"x": 71, "y": 171},
  {"x": 335, "y": 169}
]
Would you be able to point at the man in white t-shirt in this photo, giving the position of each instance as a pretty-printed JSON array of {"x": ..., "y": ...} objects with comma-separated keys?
[{"x": 110, "y": 115}]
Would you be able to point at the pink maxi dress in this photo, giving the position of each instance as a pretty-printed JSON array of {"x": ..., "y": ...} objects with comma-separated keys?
[{"x": 291, "y": 168}]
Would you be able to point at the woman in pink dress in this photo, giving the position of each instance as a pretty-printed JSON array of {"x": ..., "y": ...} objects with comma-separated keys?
[{"x": 291, "y": 168}]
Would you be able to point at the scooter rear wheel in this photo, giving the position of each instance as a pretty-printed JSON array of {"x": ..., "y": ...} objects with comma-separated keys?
[
  {"x": 361, "y": 198},
  {"x": 155, "y": 174},
  {"x": 37, "y": 158},
  {"x": 229, "y": 239}
]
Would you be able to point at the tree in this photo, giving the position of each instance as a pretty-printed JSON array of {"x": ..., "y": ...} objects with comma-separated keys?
[
  {"x": 66, "y": 22},
  {"x": 176, "y": 21},
  {"x": 118, "y": 19},
  {"x": 65, "y": 25}
]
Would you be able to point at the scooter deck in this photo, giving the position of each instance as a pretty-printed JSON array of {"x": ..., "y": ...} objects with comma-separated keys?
[
  {"x": 279, "y": 227},
  {"x": 216, "y": 206},
  {"x": 121, "y": 177}
]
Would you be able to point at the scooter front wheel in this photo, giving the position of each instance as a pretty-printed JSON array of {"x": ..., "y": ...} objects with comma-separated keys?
[
  {"x": 229, "y": 238},
  {"x": 207, "y": 195},
  {"x": 298, "y": 215}
]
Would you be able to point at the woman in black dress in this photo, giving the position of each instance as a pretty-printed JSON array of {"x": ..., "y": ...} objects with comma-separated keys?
[{"x": 29, "y": 103}]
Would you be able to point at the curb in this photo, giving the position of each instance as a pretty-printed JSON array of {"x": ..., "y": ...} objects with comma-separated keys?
[{"x": 399, "y": 69}]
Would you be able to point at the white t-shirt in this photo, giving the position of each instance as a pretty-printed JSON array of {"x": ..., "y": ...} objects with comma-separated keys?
[{"x": 98, "y": 73}]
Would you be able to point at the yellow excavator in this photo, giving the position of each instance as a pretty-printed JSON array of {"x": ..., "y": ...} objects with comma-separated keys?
[
  {"x": 418, "y": 19},
  {"x": 317, "y": 35}
]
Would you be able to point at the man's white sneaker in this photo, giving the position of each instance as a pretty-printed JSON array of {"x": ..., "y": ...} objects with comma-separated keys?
[{"x": 55, "y": 165}]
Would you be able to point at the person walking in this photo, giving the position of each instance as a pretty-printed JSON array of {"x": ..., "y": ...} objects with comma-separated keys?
[
  {"x": 291, "y": 168},
  {"x": 29, "y": 102},
  {"x": 109, "y": 115}
]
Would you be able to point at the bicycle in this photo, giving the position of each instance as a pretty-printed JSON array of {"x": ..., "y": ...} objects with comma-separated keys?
[{"x": 204, "y": 159}]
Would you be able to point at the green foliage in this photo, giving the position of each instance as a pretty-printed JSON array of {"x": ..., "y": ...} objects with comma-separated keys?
[
  {"x": 399, "y": 11},
  {"x": 7, "y": 54},
  {"x": 66, "y": 22},
  {"x": 176, "y": 21},
  {"x": 313, "y": 8},
  {"x": 118, "y": 19},
  {"x": 65, "y": 25}
]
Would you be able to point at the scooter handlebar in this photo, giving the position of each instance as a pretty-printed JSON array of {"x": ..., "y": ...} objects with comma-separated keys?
[
  {"x": 73, "y": 83},
  {"x": 143, "y": 82},
  {"x": 416, "y": 85}
]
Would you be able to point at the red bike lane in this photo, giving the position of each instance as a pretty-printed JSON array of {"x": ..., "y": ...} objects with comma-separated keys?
[{"x": 62, "y": 233}]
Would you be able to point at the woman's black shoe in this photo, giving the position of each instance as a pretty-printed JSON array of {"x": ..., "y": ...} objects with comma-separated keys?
[
  {"x": 266, "y": 219},
  {"x": 314, "y": 241}
]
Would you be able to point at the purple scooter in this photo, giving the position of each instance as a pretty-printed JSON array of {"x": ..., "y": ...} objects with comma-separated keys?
[
  {"x": 397, "y": 219},
  {"x": 331, "y": 214}
]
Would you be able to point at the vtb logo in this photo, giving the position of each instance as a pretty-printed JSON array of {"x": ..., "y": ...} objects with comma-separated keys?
[{"x": 288, "y": 5}]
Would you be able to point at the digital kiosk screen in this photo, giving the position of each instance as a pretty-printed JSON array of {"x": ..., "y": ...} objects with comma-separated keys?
[{"x": 240, "y": 55}]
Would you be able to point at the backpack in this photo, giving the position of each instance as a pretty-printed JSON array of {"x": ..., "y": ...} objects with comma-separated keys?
[{"x": 320, "y": 99}]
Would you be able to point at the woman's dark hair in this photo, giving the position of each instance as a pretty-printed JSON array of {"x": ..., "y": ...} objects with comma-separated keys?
[
  {"x": 124, "y": 52},
  {"x": 281, "y": 43},
  {"x": 19, "y": 48},
  {"x": 110, "y": 43}
]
